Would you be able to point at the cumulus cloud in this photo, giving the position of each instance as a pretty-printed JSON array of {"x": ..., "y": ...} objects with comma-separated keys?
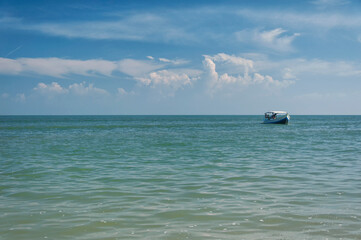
[
  {"x": 243, "y": 73},
  {"x": 169, "y": 78},
  {"x": 80, "y": 89},
  {"x": 232, "y": 60},
  {"x": 210, "y": 70},
  {"x": 275, "y": 39},
  {"x": 53, "y": 88},
  {"x": 161, "y": 74}
]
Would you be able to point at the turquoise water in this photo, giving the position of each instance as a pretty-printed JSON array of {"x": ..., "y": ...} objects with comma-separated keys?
[{"x": 179, "y": 177}]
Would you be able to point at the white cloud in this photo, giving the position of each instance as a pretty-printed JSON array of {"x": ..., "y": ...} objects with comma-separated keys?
[
  {"x": 79, "y": 89},
  {"x": 170, "y": 61},
  {"x": 169, "y": 78},
  {"x": 59, "y": 67},
  {"x": 137, "y": 68},
  {"x": 175, "y": 62},
  {"x": 148, "y": 72},
  {"x": 10, "y": 66},
  {"x": 275, "y": 39},
  {"x": 313, "y": 73},
  {"x": 56, "y": 67},
  {"x": 217, "y": 81},
  {"x": 243, "y": 74},
  {"x": 269, "y": 81},
  {"x": 230, "y": 59},
  {"x": 164, "y": 60},
  {"x": 210, "y": 70},
  {"x": 51, "y": 89}
]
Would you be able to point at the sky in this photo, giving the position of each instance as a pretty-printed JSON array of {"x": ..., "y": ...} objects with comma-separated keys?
[{"x": 180, "y": 57}]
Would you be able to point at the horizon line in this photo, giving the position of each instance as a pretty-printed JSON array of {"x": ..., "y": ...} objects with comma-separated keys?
[{"x": 4, "y": 115}]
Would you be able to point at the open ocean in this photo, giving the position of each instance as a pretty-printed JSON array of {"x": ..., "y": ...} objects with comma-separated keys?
[{"x": 179, "y": 177}]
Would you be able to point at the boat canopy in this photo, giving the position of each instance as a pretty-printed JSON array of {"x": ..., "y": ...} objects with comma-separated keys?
[{"x": 276, "y": 112}]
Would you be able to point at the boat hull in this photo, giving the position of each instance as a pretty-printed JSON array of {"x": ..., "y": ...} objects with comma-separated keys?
[{"x": 284, "y": 120}]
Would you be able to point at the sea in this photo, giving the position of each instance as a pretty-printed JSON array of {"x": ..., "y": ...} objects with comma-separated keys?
[{"x": 179, "y": 177}]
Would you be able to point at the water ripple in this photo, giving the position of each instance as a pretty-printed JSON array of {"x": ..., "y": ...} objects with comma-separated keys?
[{"x": 179, "y": 177}]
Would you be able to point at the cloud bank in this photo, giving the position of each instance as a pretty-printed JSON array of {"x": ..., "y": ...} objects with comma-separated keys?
[{"x": 220, "y": 72}]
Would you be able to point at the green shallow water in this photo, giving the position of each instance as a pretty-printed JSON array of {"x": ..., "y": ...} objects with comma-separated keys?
[{"x": 179, "y": 177}]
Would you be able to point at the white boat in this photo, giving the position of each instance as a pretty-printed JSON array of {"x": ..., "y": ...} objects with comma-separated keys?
[{"x": 276, "y": 117}]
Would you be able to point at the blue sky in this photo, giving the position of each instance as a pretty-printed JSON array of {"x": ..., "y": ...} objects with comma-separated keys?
[{"x": 180, "y": 57}]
